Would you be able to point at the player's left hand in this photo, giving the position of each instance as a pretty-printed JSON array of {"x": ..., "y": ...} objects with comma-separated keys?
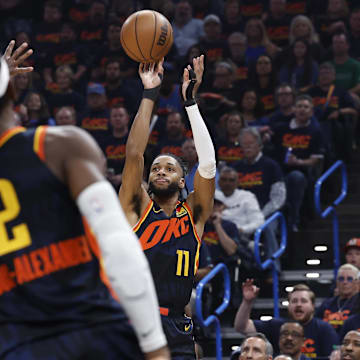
[
  {"x": 198, "y": 69},
  {"x": 16, "y": 58}
]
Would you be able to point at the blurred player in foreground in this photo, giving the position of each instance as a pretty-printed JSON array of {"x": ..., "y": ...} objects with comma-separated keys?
[
  {"x": 56, "y": 300},
  {"x": 170, "y": 227}
]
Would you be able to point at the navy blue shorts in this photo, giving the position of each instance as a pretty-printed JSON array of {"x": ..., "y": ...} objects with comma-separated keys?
[
  {"x": 179, "y": 335},
  {"x": 108, "y": 341}
]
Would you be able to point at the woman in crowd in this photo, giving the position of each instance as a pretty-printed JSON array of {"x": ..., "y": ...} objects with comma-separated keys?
[
  {"x": 300, "y": 69},
  {"x": 258, "y": 41}
]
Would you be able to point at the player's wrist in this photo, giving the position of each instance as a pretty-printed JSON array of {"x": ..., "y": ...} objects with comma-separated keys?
[{"x": 152, "y": 93}]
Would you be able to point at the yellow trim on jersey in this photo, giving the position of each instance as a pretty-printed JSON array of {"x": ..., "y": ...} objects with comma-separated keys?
[
  {"x": 39, "y": 140},
  {"x": 8, "y": 134},
  {"x": 196, "y": 263},
  {"x": 143, "y": 217}
]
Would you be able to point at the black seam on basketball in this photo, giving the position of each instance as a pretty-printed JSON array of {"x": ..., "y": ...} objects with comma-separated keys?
[
  {"x": 133, "y": 54},
  {"x": 152, "y": 46},
  {"x": 137, "y": 41},
  {"x": 168, "y": 39}
]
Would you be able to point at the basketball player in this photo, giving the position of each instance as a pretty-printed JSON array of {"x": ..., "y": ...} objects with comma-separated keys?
[
  {"x": 56, "y": 301},
  {"x": 170, "y": 228}
]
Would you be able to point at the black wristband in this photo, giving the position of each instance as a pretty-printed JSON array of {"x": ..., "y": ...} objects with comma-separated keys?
[
  {"x": 189, "y": 102},
  {"x": 151, "y": 94}
]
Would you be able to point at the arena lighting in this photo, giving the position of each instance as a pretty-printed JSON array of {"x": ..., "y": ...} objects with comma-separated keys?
[
  {"x": 320, "y": 248},
  {"x": 312, "y": 275},
  {"x": 313, "y": 261},
  {"x": 265, "y": 317},
  {"x": 289, "y": 288},
  {"x": 285, "y": 303}
]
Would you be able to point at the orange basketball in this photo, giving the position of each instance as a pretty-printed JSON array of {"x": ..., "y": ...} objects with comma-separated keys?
[{"x": 146, "y": 36}]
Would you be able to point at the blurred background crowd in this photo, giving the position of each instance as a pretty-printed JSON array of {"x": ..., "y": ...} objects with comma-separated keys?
[{"x": 280, "y": 96}]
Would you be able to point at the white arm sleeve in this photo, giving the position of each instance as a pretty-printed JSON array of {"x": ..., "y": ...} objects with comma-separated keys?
[
  {"x": 203, "y": 144},
  {"x": 124, "y": 261}
]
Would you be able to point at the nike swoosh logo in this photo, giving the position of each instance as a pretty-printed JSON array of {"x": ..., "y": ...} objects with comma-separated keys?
[{"x": 187, "y": 327}]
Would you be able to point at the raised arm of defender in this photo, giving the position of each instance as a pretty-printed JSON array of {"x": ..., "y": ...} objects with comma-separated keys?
[
  {"x": 131, "y": 189},
  {"x": 204, "y": 182}
]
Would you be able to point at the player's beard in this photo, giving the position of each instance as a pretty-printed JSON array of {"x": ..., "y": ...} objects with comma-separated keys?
[{"x": 164, "y": 192}]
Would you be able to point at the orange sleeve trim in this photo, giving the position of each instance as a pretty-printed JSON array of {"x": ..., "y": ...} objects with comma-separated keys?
[
  {"x": 94, "y": 246},
  {"x": 143, "y": 216},
  {"x": 39, "y": 142},
  {"x": 8, "y": 134}
]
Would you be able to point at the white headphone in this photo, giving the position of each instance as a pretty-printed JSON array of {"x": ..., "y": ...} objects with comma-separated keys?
[{"x": 4, "y": 76}]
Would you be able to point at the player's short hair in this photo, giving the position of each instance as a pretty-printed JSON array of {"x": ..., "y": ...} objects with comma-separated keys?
[{"x": 180, "y": 161}]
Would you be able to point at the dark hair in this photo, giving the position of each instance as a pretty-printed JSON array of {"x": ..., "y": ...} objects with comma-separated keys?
[
  {"x": 56, "y": 4},
  {"x": 253, "y": 75},
  {"x": 112, "y": 60},
  {"x": 308, "y": 61},
  {"x": 44, "y": 110},
  {"x": 259, "y": 106}
]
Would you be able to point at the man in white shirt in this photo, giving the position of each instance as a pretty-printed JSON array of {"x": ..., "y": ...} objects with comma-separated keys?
[{"x": 242, "y": 207}]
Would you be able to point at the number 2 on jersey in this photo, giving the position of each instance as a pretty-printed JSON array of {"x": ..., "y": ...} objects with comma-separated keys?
[
  {"x": 183, "y": 257},
  {"x": 19, "y": 234}
]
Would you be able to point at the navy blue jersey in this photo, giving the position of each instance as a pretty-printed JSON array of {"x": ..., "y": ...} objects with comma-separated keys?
[
  {"x": 352, "y": 323},
  {"x": 335, "y": 311},
  {"x": 171, "y": 246},
  {"x": 50, "y": 277}
]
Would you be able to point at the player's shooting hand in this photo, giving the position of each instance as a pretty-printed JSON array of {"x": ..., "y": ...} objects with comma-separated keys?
[
  {"x": 198, "y": 69},
  {"x": 151, "y": 74},
  {"x": 160, "y": 354},
  {"x": 249, "y": 290},
  {"x": 16, "y": 58}
]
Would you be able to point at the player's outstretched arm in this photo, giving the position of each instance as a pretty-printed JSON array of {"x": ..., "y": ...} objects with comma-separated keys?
[
  {"x": 151, "y": 77},
  {"x": 16, "y": 58},
  {"x": 204, "y": 182},
  {"x": 77, "y": 160}
]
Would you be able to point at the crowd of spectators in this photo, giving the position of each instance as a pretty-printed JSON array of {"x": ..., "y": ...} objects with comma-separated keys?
[{"x": 280, "y": 96}]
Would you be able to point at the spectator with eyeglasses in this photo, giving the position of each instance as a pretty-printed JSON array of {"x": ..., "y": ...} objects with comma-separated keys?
[
  {"x": 320, "y": 337},
  {"x": 291, "y": 340},
  {"x": 337, "y": 309}
]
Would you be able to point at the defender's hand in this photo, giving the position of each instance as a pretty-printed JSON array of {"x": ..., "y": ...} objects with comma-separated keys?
[
  {"x": 151, "y": 74},
  {"x": 198, "y": 68},
  {"x": 14, "y": 60}
]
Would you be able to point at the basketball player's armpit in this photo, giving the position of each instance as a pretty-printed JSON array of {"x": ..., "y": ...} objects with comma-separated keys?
[
  {"x": 198, "y": 211},
  {"x": 136, "y": 202}
]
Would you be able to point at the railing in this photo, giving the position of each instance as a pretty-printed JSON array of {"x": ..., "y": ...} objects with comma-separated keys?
[
  {"x": 331, "y": 209},
  {"x": 226, "y": 299},
  {"x": 270, "y": 262}
]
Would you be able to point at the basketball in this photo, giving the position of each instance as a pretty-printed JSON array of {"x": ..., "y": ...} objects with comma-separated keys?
[{"x": 146, "y": 36}]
